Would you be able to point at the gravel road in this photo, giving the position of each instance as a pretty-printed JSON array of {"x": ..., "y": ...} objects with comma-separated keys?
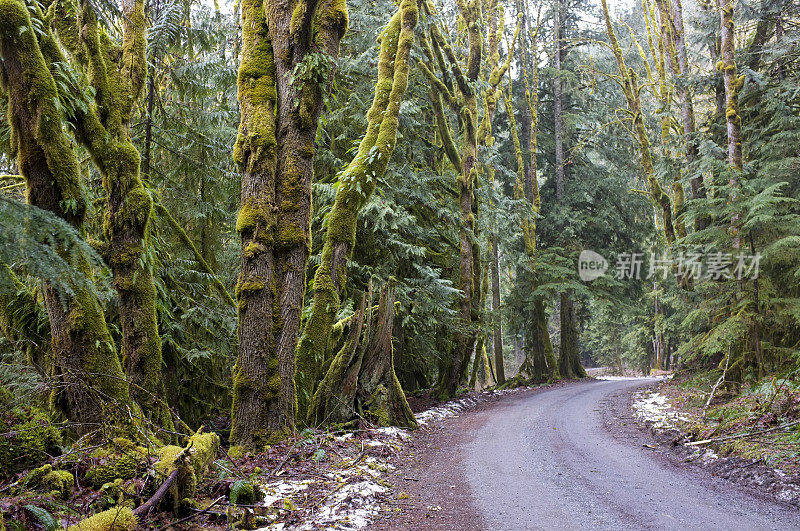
[{"x": 545, "y": 461}]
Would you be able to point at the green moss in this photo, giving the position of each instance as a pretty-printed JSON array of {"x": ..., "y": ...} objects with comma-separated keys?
[
  {"x": 245, "y": 288},
  {"x": 253, "y": 249},
  {"x": 30, "y": 439},
  {"x": 116, "y": 519},
  {"x": 58, "y": 483},
  {"x": 191, "y": 463},
  {"x": 250, "y": 217},
  {"x": 289, "y": 235},
  {"x": 115, "y": 491},
  {"x": 298, "y": 14},
  {"x": 123, "y": 460},
  {"x": 332, "y": 18}
]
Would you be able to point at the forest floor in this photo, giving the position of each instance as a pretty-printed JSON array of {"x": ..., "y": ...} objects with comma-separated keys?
[
  {"x": 597, "y": 453},
  {"x": 581, "y": 455}
]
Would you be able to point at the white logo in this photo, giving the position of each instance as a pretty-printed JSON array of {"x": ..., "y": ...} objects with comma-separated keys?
[{"x": 591, "y": 265}]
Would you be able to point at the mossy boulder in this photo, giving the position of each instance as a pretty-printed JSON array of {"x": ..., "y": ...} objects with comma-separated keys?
[
  {"x": 30, "y": 439},
  {"x": 57, "y": 482},
  {"x": 122, "y": 460},
  {"x": 116, "y": 519}
]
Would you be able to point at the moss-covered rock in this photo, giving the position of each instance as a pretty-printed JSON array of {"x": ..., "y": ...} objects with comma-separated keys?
[
  {"x": 57, "y": 482},
  {"x": 123, "y": 460},
  {"x": 30, "y": 439},
  {"x": 116, "y": 519}
]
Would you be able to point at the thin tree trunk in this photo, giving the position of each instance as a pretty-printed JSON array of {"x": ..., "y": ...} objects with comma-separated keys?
[
  {"x": 733, "y": 84},
  {"x": 497, "y": 332}
]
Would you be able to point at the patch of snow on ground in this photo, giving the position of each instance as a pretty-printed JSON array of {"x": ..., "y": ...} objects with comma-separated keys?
[
  {"x": 655, "y": 407},
  {"x": 279, "y": 490},
  {"x": 354, "y": 491},
  {"x": 350, "y": 507}
]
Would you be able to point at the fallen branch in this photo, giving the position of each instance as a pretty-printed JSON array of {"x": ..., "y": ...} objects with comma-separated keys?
[
  {"x": 721, "y": 379},
  {"x": 150, "y": 504},
  {"x": 744, "y": 435}
]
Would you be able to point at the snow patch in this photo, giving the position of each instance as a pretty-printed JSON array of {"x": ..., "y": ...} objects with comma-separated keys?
[{"x": 654, "y": 407}]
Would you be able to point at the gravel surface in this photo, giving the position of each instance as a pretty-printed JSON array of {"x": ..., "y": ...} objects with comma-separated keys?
[{"x": 568, "y": 457}]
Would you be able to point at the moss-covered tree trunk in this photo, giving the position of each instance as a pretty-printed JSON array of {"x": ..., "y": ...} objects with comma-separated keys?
[
  {"x": 91, "y": 388},
  {"x": 497, "y": 330},
  {"x": 453, "y": 373},
  {"x": 117, "y": 73},
  {"x": 631, "y": 90},
  {"x": 361, "y": 383},
  {"x": 496, "y": 15},
  {"x": 569, "y": 359},
  {"x": 286, "y": 63},
  {"x": 679, "y": 64},
  {"x": 356, "y": 185},
  {"x": 733, "y": 84},
  {"x": 539, "y": 362}
]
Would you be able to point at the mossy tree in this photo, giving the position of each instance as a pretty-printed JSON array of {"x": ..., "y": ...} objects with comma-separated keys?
[
  {"x": 286, "y": 64},
  {"x": 361, "y": 384},
  {"x": 356, "y": 184},
  {"x": 458, "y": 87},
  {"x": 116, "y": 72},
  {"x": 91, "y": 388},
  {"x": 539, "y": 362},
  {"x": 628, "y": 80},
  {"x": 733, "y": 84},
  {"x": 496, "y": 17}
]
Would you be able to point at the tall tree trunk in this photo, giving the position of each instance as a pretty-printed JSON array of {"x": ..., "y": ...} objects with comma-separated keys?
[
  {"x": 569, "y": 358},
  {"x": 275, "y": 150},
  {"x": 91, "y": 388},
  {"x": 568, "y": 353},
  {"x": 497, "y": 332},
  {"x": 356, "y": 185},
  {"x": 539, "y": 363},
  {"x": 454, "y": 371},
  {"x": 680, "y": 67}
]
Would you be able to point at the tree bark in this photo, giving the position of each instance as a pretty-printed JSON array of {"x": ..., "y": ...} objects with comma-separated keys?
[
  {"x": 274, "y": 150},
  {"x": 356, "y": 185},
  {"x": 91, "y": 388},
  {"x": 497, "y": 332},
  {"x": 361, "y": 382},
  {"x": 733, "y": 84}
]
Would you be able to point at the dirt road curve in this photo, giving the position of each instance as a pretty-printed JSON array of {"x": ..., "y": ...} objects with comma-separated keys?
[{"x": 545, "y": 461}]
